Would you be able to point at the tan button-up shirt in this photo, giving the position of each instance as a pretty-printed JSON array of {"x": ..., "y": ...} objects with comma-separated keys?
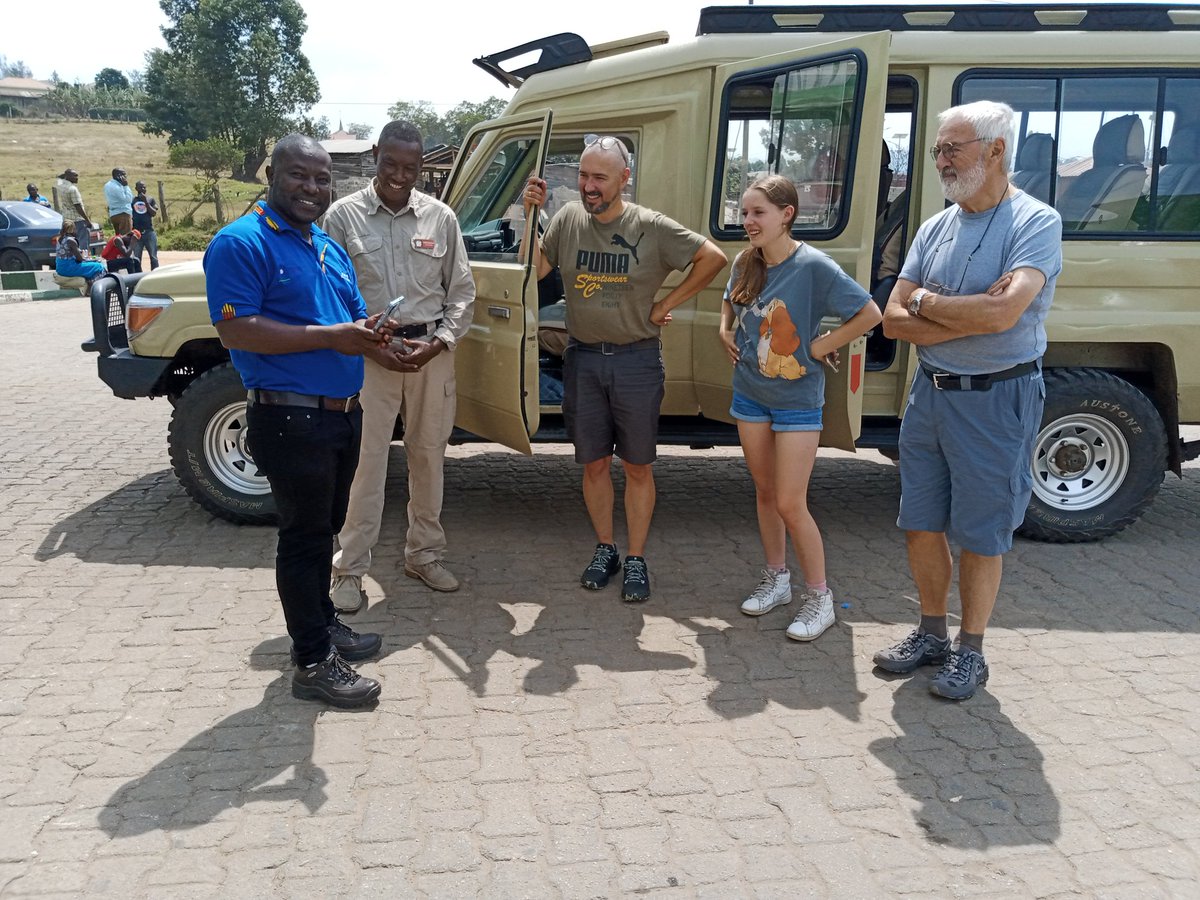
[{"x": 416, "y": 252}]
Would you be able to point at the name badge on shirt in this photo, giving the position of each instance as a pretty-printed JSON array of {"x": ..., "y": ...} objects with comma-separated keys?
[{"x": 426, "y": 244}]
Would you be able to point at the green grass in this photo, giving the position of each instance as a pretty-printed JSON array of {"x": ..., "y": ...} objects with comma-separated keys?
[{"x": 38, "y": 151}]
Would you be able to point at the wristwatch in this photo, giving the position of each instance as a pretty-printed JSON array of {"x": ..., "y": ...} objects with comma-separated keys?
[{"x": 914, "y": 303}]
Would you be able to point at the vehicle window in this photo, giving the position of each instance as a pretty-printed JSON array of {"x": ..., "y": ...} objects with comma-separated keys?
[
  {"x": 492, "y": 215},
  {"x": 3, "y": 221},
  {"x": 37, "y": 214},
  {"x": 796, "y": 123},
  {"x": 1097, "y": 146}
]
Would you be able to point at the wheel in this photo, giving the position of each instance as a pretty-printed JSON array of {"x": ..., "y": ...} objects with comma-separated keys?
[
  {"x": 14, "y": 261},
  {"x": 207, "y": 443},
  {"x": 1098, "y": 460}
]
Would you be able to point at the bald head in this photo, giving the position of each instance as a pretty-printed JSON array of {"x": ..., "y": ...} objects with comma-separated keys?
[{"x": 300, "y": 176}]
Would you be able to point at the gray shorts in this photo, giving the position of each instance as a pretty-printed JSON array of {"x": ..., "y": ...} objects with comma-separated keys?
[
  {"x": 611, "y": 401},
  {"x": 965, "y": 460}
]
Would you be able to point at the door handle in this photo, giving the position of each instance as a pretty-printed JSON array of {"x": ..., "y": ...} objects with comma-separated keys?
[{"x": 500, "y": 312}]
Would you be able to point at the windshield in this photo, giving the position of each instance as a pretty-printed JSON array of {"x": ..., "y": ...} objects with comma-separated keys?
[{"x": 33, "y": 214}]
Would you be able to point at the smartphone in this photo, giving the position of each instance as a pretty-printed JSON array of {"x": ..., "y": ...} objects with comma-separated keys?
[{"x": 389, "y": 313}]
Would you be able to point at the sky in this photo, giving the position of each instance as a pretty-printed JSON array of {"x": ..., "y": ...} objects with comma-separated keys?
[{"x": 425, "y": 55}]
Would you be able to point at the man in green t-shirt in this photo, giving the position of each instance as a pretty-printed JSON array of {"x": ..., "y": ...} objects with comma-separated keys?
[{"x": 614, "y": 257}]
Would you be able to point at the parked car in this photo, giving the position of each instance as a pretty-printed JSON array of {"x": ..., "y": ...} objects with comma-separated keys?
[{"x": 29, "y": 234}]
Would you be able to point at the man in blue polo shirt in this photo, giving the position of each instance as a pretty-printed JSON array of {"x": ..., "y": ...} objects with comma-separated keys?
[{"x": 285, "y": 301}]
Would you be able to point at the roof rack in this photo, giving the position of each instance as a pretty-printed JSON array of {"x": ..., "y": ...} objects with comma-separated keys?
[
  {"x": 557, "y": 51},
  {"x": 960, "y": 17}
]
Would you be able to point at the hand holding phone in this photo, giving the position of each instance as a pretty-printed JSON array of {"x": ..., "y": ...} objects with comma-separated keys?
[{"x": 388, "y": 313}]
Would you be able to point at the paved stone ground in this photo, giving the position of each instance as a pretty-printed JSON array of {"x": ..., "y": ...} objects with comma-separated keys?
[{"x": 535, "y": 740}]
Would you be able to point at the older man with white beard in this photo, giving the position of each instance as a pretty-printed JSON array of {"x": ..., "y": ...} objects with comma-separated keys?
[{"x": 972, "y": 296}]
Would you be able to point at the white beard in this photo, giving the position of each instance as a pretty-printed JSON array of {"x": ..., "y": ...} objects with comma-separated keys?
[{"x": 966, "y": 183}]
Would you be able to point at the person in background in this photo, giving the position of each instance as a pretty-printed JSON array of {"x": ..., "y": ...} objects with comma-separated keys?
[
  {"x": 144, "y": 212},
  {"x": 69, "y": 260},
  {"x": 34, "y": 196},
  {"x": 116, "y": 252},
  {"x": 119, "y": 197},
  {"x": 779, "y": 291},
  {"x": 70, "y": 207}
]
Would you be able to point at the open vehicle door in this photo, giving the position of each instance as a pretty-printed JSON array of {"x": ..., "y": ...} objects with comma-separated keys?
[
  {"x": 496, "y": 364},
  {"x": 816, "y": 116}
]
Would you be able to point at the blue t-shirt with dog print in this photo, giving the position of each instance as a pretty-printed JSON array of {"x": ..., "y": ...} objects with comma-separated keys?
[{"x": 774, "y": 331}]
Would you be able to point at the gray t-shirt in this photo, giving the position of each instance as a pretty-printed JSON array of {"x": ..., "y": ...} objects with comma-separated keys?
[
  {"x": 774, "y": 331},
  {"x": 957, "y": 253},
  {"x": 611, "y": 272}
]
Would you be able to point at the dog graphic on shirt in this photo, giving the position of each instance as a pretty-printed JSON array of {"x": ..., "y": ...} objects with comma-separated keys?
[{"x": 778, "y": 343}]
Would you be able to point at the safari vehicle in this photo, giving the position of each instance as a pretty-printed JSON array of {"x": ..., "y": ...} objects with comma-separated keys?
[{"x": 843, "y": 100}]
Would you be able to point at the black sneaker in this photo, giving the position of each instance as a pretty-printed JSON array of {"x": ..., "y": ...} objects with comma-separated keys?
[
  {"x": 637, "y": 580},
  {"x": 333, "y": 681},
  {"x": 920, "y": 648},
  {"x": 349, "y": 644},
  {"x": 606, "y": 562}
]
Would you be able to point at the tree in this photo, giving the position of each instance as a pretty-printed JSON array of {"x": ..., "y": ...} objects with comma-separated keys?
[
  {"x": 112, "y": 79},
  {"x": 318, "y": 130},
  {"x": 422, "y": 114},
  {"x": 462, "y": 118},
  {"x": 233, "y": 69},
  {"x": 209, "y": 159},
  {"x": 360, "y": 130},
  {"x": 14, "y": 69}
]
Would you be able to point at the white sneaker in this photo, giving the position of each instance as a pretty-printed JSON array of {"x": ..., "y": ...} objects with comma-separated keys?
[
  {"x": 815, "y": 616},
  {"x": 774, "y": 590},
  {"x": 347, "y": 594}
]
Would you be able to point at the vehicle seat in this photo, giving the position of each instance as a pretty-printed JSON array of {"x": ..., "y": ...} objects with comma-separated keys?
[
  {"x": 1035, "y": 163},
  {"x": 1179, "y": 182},
  {"x": 1104, "y": 197}
]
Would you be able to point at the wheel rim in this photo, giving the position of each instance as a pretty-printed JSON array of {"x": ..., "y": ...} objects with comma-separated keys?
[
  {"x": 1079, "y": 462},
  {"x": 227, "y": 454}
]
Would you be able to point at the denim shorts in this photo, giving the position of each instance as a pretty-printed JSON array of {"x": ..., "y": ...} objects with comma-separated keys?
[{"x": 746, "y": 410}]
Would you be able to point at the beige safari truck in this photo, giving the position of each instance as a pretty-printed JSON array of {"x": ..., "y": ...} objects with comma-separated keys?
[{"x": 843, "y": 100}]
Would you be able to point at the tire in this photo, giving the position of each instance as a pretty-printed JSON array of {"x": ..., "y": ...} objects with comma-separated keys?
[
  {"x": 15, "y": 261},
  {"x": 207, "y": 442},
  {"x": 1099, "y": 458}
]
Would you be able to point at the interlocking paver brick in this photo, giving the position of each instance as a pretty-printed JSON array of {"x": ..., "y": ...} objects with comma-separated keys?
[{"x": 538, "y": 740}]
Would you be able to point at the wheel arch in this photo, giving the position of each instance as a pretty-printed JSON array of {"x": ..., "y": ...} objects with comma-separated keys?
[{"x": 1150, "y": 367}]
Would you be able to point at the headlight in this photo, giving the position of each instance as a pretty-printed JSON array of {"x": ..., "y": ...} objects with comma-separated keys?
[{"x": 141, "y": 310}]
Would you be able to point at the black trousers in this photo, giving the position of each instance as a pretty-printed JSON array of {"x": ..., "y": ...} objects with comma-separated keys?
[{"x": 309, "y": 457}]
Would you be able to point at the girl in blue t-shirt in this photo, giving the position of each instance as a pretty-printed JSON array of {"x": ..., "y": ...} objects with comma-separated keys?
[{"x": 778, "y": 292}]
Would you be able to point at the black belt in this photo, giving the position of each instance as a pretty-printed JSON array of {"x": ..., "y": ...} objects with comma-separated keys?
[
  {"x": 311, "y": 401},
  {"x": 609, "y": 349},
  {"x": 412, "y": 332},
  {"x": 949, "y": 381}
]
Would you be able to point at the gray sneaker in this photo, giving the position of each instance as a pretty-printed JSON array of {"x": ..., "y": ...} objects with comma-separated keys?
[
  {"x": 775, "y": 589},
  {"x": 347, "y": 594},
  {"x": 918, "y": 649},
  {"x": 965, "y": 669}
]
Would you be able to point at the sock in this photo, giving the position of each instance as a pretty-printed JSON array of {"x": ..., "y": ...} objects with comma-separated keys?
[
  {"x": 777, "y": 570},
  {"x": 819, "y": 588},
  {"x": 935, "y": 625},
  {"x": 974, "y": 641}
]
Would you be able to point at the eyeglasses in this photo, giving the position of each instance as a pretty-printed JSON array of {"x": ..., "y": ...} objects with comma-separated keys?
[
  {"x": 950, "y": 149},
  {"x": 607, "y": 143}
]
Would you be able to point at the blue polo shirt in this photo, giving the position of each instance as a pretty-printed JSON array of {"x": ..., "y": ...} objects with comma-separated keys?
[{"x": 261, "y": 265}]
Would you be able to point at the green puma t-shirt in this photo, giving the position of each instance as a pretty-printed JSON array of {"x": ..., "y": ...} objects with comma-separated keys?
[{"x": 613, "y": 272}]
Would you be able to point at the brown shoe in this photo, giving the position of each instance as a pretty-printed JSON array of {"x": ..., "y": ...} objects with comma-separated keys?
[{"x": 433, "y": 573}]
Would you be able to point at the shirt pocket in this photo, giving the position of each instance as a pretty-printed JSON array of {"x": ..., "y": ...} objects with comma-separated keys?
[
  {"x": 370, "y": 264},
  {"x": 425, "y": 260}
]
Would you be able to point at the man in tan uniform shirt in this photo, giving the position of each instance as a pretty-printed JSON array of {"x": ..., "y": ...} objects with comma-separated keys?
[{"x": 403, "y": 243}]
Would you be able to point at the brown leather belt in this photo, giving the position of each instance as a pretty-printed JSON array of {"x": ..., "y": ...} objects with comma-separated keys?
[
  {"x": 309, "y": 401},
  {"x": 950, "y": 381}
]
